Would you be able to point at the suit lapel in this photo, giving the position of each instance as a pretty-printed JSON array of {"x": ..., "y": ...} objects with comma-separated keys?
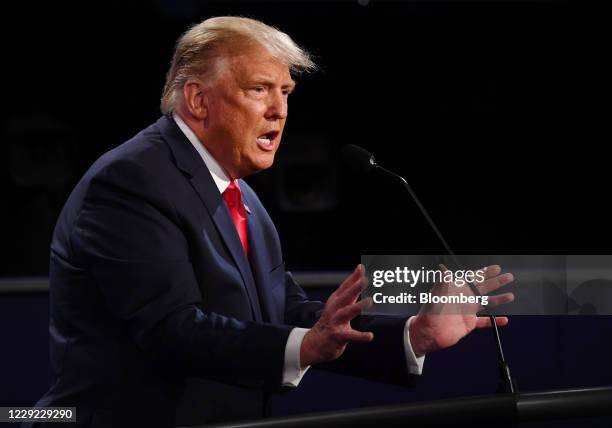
[
  {"x": 257, "y": 256},
  {"x": 189, "y": 161}
]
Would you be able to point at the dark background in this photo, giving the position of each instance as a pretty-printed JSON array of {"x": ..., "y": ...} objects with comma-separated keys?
[{"x": 496, "y": 112}]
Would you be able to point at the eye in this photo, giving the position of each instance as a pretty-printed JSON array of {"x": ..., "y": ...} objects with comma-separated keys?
[{"x": 258, "y": 90}]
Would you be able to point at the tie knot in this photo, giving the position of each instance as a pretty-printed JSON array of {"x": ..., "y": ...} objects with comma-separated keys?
[
  {"x": 233, "y": 200},
  {"x": 232, "y": 195},
  {"x": 232, "y": 186}
]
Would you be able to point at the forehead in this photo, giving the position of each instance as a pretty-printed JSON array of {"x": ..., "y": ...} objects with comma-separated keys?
[{"x": 256, "y": 63}]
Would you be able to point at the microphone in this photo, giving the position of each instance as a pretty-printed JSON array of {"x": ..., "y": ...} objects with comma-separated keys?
[
  {"x": 362, "y": 161},
  {"x": 358, "y": 159}
]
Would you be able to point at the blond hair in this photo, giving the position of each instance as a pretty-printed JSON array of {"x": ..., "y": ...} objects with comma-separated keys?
[{"x": 197, "y": 51}]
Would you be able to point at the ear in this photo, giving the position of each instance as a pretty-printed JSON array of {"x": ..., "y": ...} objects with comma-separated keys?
[{"x": 196, "y": 100}]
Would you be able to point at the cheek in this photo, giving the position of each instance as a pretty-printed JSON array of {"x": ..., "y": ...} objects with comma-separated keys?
[
  {"x": 244, "y": 121},
  {"x": 226, "y": 115}
]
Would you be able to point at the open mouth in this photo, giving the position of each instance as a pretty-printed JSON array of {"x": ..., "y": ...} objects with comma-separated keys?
[{"x": 266, "y": 141}]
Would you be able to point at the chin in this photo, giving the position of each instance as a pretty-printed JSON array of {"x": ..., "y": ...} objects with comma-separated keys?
[
  {"x": 264, "y": 162},
  {"x": 258, "y": 166}
]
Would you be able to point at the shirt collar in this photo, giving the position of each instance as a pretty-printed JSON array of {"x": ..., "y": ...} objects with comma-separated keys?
[{"x": 220, "y": 177}]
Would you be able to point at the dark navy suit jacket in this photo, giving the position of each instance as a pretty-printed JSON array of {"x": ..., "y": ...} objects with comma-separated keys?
[{"x": 157, "y": 316}]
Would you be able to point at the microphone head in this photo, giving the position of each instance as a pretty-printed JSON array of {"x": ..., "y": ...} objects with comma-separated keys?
[{"x": 357, "y": 158}]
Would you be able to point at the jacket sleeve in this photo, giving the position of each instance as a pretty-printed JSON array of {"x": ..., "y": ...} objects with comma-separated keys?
[{"x": 128, "y": 238}]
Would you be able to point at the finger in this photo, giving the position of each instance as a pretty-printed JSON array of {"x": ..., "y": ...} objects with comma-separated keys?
[
  {"x": 491, "y": 271},
  {"x": 442, "y": 267},
  {"x": 347, "y": 313},
  {"x": 351, "y": 295},
  {"x": 500, "y": 299},
  {"x": 355, "y": 336},
  {"x": 494, "y": 283},
  {"x": 484, "y": 322},
  {"x": 350, "y": 280}
]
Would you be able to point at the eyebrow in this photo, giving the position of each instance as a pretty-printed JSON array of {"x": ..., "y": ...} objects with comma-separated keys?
[{"x": 269, "y": 82}]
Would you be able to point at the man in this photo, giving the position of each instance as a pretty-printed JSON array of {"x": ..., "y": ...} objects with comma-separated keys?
[{"x": 170, "y": 303}]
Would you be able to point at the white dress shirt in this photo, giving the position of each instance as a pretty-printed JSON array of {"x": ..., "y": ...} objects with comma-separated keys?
[{"x": 292, "y": 371}]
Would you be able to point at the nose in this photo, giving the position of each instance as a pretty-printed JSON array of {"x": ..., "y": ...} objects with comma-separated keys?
[{"x": 277, "y": 105}]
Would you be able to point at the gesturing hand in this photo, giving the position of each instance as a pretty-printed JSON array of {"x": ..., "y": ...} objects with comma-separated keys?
[
  {"x": 439, "y": 326},
  {"x": 328, "y": 338}
]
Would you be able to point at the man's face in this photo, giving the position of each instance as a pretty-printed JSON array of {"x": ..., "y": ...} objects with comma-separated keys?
[{"x": 247, "y": 109}]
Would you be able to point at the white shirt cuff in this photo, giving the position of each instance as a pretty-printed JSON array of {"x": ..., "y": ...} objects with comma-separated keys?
[
  {"x": 415, "y": 365},
  {"x": 292, "y": 371}
]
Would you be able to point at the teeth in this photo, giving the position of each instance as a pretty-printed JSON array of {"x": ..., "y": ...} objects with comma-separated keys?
[{"x": 264, "y": 141}]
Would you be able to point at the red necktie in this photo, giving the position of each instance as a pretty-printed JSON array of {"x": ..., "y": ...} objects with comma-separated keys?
[{"x": 233, "y": 200}]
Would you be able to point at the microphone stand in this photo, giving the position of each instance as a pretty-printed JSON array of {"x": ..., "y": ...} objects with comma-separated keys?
[{"x": 506, "y": 384}]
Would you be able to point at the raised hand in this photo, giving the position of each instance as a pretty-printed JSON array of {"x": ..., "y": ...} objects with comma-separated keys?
[
  {"x": 328, "y": 338},
  {"x": 439, "y": 325}
]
